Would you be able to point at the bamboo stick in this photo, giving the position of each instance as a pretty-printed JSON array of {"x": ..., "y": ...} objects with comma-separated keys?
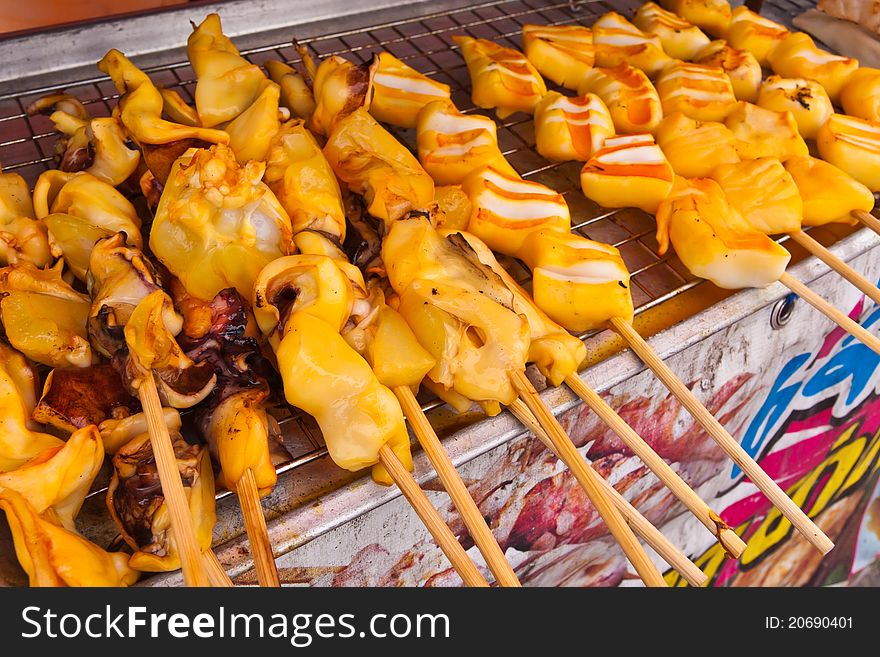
[
  {"x": 838, "y": 317},
  {"x": 258, "y": 534},
  {"x": 815, "y": 248},
  {"x": 724, "y": 440},
  {"x": 172, "y": 487},
  {"x": 640, "y": 525},
  {"x": 431, "y": 519},
  {"x": 214, "y": 570},
  {"x": 470, "y": 513},
  {"x": 731, "y": 543},
  {"x": 587, "y": 478},
  {"x": 868, "y": 219}
]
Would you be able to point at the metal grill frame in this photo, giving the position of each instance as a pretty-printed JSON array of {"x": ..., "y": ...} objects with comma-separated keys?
[{"x": 27, "y": 142}]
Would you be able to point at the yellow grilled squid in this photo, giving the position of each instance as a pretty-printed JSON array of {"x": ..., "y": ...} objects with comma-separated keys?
[
  {"x": 740, "y": 66},
  {"x": 54, "y": 556},
  {"x": 713, "y": 240},
  {"x": 303, "y": 181},
  {"x": 860, "y": 95},
  {"x": 458, "y": 309},
  {"x": 376, "y": 166},
  {"x": 226, "y": 83},
  {"x": 296, "y": 95},
  {"x": 56, "y": 481},
  {"x": 251, "y": 131},
  {"x": 501, "y": 78},
  {"x": 829, "y": 194},
  {"x": 140, "y": 107},
  {"x": 571, "y": 128},
  {"x": 552, "y": 349},
  {"x": 454, "y": 205},
  {"x": 695, "y": 148},
  {"x": 629, "y": 95},
  {"x": 177, "y": 108},
  {"x": 853, "y": 145},
  {"x": 505, "y": 209},
  {"x": 43, "y": 316},
  {"x": 400, "y": 92},
  {"x": 217, "y": 223},
  {"x": 562, "y": 53},
  {"x": 20, "y": 439},
  {"x": 805, "y": 99},
  {"x": 340, "y": 88},
  {"x": 761, "y": 132},
  {"x": 764, "y": 193},
  {"x": 579, "y": 283},
  {"x": 628, "y": 171},
  {"x": 80, "y": 209},
  {"x": 153, "y": 351},
  {"x": 754, "y": 33},
  {"x": 21, "y": 237},
  {"x": 116, "y": 432},
  {"x": 712, "y": 16},
  {"x": 617, "y": 41},
  {"x": 137, "y": 505},
  {"x": 797, "y": 56},
  {"x": 701, "y": 92},
  {"x": 451, "y": 144},
  {"x": 680, "y": 39}
]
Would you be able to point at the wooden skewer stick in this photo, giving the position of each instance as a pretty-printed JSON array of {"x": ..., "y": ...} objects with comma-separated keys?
[
  {"x": 815, "y": 248},
  {"x": 721, "y": 436},
  {"x": 868, "y": 219},
  {"x": 172, "y": 487},
  {"x": 640, "y": 525},
  {"x": 838, "y": 317},
  {"x": 731, "y": 543},
  {"x": 451, "y": 480},
  {"x": 433, "y": 522},
  {"x": 214, "y": 569},
  {"x": 588, "y": 479},
  {"x": 258, "y": 534}
]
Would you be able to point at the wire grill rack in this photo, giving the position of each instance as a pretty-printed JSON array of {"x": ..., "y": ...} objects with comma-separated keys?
[{"x": 27, "y": 142}]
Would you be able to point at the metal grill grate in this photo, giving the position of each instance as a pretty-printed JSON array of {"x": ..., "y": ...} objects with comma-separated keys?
[{"x": 27, "y": 142}]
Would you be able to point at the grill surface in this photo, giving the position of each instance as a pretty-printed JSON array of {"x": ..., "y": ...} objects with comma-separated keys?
[{"x": 27, "y": 142}]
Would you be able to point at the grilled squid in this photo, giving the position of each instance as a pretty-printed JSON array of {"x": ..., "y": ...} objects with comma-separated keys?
[
  {"x": 251, "y": 132},
  {"x": 805, "y": 99},
  {"x": 20, "y": 438},
  {"x": 579, "y": 283},
  {"x": 43, "y": 316},
  {"x": 713, "y": 240},
  {"x": 501, "y": 78},
  {"x": 628, "y": 171},
  {"x": 562, "y": 53},
  {"x": 571, "y": 128},
  {"x": 617, "y": 41},
  {"x": 137, "y": 505},
  {"x": 740, "y": 66},
  {"x": 56, "y": 481},
  {"x": 21, "y": 237},
  {"x": 451, "y": 144},
  {"x": 695, "y": 148},
  {"x": 55, "y": 556},
  {"x": 829, "y": 195},
  {"x": 712, "y": 16},
  {"x": 373, "y": 164},
  {"x": 680, "y": 39},
  {"x": 80, "y": 209},
  {"x": 860, "y": 95},
  {"x": 764, "y": 193},
  {"x": 629, "y": 95},
  {"x": 217, "y": 223},
  {"x": 296, "y": 95},
  {"x": 853, "y": 145},
  {"x": 400, "y": 91},
  {"x": 761, "y": 132},
  {"x": 700, "y": 92},
  {"x": 303, "y": 181},
  {"x": 505, "y": 209},
  {"x": 797, "y": 56},
  {"x": 754, "y": 33},
  {"x": 340, "y": 88},
  {"x": 226, "y": 83}
]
